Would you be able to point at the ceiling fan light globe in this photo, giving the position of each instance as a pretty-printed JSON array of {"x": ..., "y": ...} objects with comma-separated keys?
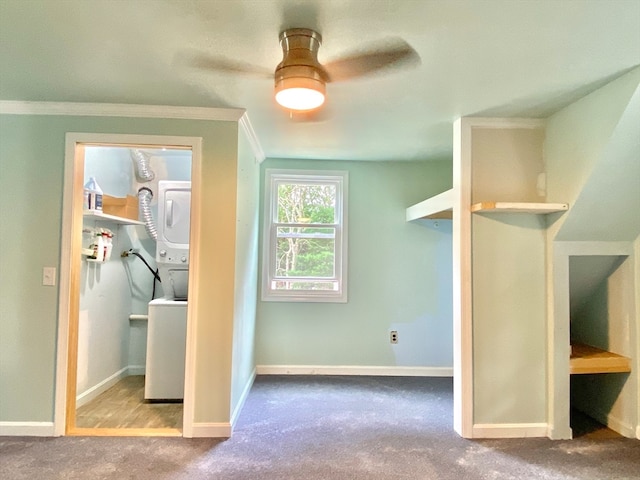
[
  {"x": 300, "y": 98},
  {"x": 300, "y": 93}
]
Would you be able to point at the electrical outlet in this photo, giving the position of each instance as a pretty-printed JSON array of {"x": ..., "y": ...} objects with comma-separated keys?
[
  {"x": 49, "y": 276},
  {"x": 393, "y": 336}
]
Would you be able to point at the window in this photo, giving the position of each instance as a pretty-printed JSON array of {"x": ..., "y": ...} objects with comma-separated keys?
[{"x": 305, "y": 237}]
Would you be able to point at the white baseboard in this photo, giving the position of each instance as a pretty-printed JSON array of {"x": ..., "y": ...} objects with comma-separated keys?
[
  {"x": 614, "y": 423},
  {"x": 509, "y": 430},
  {"x": 136, "y": 370},
  {"x": 92, "y": 392},
  {"x": 354, "y": 370},
  {"x": 212, "y": 430},
  {"x": 243, "y": 398},
  {"x": 27, "y": 429}
]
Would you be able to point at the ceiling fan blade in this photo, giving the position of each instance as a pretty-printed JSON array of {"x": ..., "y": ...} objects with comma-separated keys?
[
  {"x": 222, "y": 64},
  {"x": 391, "y": 53}
]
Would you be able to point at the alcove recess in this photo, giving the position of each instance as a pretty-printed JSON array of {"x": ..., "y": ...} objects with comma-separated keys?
[{"x": 601, "y": 305}]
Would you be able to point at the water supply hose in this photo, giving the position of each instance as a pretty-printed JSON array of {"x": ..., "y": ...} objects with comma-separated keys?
[
  {"x": 141, "y": 159},
  {"x": 144, "y": 201}
]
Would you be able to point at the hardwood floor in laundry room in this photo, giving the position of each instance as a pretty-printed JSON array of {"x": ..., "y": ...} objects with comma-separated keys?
[{"x": 124, "y": 406}]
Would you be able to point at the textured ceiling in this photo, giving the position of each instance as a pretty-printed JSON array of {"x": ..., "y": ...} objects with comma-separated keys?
[{"x": 478, "y": 57}]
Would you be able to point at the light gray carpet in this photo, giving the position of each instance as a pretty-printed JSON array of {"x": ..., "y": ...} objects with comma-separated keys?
[{"x": 327, "y": 428}]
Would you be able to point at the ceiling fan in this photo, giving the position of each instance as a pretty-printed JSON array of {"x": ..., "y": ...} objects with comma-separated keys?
[{"x": 300, "y": 79}]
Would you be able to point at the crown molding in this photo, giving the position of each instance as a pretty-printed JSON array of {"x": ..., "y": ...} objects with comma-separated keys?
[
  {"x": 17, "y": 107},
  {"x": 245, "y": 123},
  {"x": 13, "y": 107}
]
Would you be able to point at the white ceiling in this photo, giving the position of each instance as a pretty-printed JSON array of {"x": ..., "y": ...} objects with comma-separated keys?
[{"x": 478, "y": 57}]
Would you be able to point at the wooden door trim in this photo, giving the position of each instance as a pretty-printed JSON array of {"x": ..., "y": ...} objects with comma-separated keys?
[{"x": 68, "y": 310}]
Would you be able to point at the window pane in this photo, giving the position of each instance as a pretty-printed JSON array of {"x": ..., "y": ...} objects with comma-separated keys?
[
  {"x": 305, "y": 252},
  {"x": 304, "y": 285},
  {"x": 298, "y": 203}
]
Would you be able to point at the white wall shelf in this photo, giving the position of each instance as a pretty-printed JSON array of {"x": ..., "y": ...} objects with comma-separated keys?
[
  {"x": 519, "y": 207},
  {"x": 437, "y": 207},
  {"x": 110, "y": 218},
  {"x": 587, "y": 359}
]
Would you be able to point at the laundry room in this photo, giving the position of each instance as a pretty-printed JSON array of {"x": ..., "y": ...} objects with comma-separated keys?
[{"x": 134, "y": 266}]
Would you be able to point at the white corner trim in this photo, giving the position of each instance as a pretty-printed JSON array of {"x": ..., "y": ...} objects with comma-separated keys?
[
  {"x": 354, "y": 370},
  {"x": 638, "y": 432},
  {"x": 12, "y": 107},
  {"x": 245, "y": 123},
  {"x": 211, "y": 430},
  {"x": 509, "y": 430},
  {"x": 27, "y": 429},
  {"x": 243, "y": 398}
]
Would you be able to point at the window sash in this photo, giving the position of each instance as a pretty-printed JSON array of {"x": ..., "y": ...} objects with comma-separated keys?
[
  {"x": 272, "y": 225},
  {"x": 336, "y": 237},
  {"x": 323, "y": 226}
]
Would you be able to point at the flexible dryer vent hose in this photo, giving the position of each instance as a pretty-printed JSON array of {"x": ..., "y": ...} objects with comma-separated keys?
[
  {"x": 141, "y": 159},
  {"x": 144, "y": 201}
]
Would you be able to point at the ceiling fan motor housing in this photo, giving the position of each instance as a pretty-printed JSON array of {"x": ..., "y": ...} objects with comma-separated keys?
[{"x": 299, "y": 66}]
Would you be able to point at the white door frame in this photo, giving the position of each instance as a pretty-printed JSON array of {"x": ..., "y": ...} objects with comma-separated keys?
[{"x": 70, "y": 252}]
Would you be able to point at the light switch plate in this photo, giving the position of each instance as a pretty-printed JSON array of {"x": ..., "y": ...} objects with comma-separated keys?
[{"x": 49, "y": 276}]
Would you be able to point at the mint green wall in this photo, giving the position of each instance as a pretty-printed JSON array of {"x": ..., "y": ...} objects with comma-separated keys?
[
  {"x": 509, "y": 307},
  {"x": 31, "y": 186},
  {"x": 508, "y": 279},
  {"x": 30, "y": 217},
  {"x": 399, "y": 278},
  {"x": 616, "y": 172},
  {"x": 246, "y": 278},
  {"x": 591, "y": 167}
]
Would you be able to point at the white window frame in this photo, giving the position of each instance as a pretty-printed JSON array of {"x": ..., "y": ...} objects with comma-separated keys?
[{"x": 274, "y": 177}]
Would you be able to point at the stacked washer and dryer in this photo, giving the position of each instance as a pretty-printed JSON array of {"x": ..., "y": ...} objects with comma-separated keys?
[{"x": 167, "y": 316}]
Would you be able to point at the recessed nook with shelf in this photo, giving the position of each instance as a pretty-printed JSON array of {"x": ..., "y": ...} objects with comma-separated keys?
[{"x": 586, "y": 359}]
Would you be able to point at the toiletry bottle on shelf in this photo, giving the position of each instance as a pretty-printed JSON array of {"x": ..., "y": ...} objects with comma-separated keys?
[
  {"x": 92, "y": 199},
  {"x": 107, "y": 236},
  {"x": 98, "y": 248}
]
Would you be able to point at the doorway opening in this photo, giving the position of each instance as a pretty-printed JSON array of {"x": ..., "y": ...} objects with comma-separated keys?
[
  {"x": 124, "y": 346},
  {"x": 601, "y": 305}
]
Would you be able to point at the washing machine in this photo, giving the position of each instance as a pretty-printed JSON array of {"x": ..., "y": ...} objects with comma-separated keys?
[{"x": 166, "y": 348}]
